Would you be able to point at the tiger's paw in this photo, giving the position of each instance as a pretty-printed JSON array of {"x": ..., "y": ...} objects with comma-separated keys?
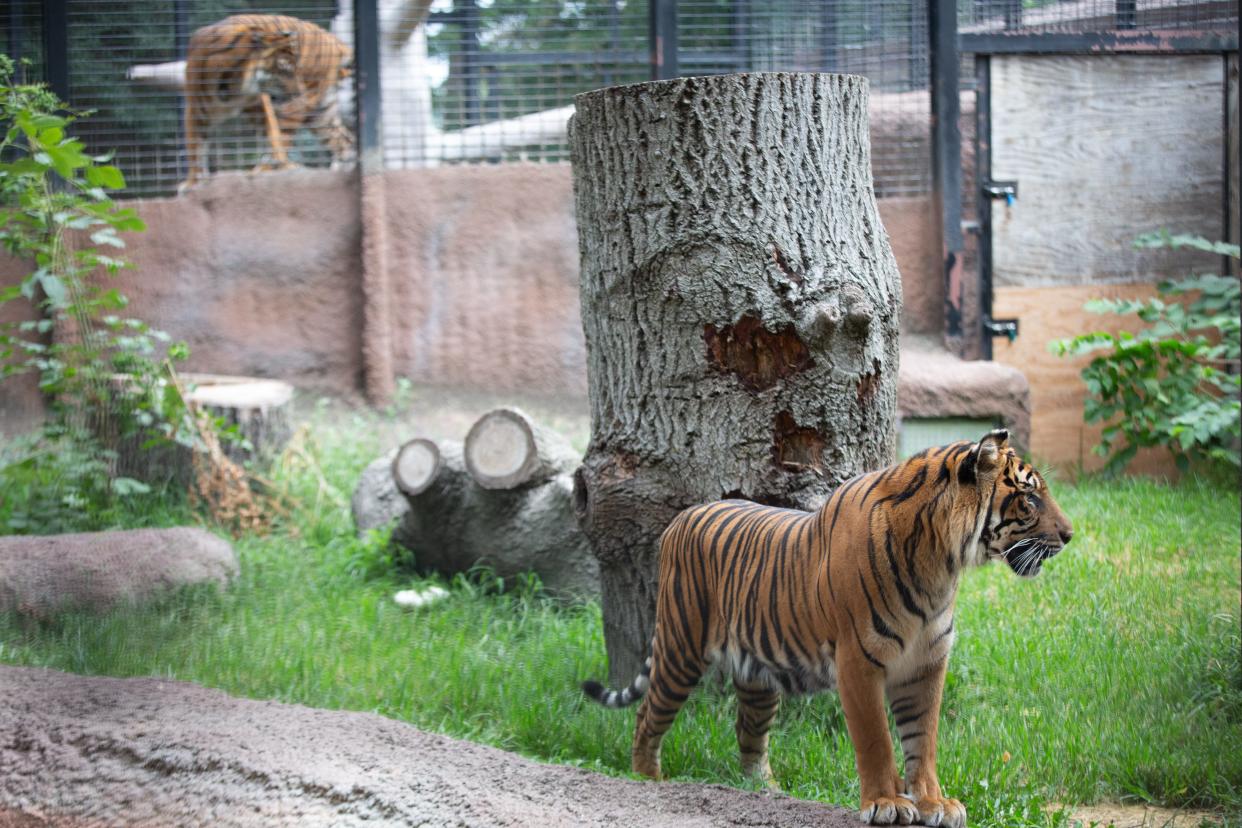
[
  {"x": 885, "y": 810},
  {"x": 939, "y": 811}
]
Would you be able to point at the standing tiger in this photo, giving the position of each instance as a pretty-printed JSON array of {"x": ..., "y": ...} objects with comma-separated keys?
[
  {"x": 272, "y": 67},
  {"x": 858, "y": 595}
]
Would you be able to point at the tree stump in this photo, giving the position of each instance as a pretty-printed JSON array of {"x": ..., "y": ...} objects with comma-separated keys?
[
  {"x": 259, "y": 411},
  {"x": 741, "y": 307}
]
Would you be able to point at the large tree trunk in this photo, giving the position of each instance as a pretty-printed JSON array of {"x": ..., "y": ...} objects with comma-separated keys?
[{"x": 741, "y": 308}]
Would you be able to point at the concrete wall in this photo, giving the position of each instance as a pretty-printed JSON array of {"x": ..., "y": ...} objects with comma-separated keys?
[{"x": 261, "y": 275}]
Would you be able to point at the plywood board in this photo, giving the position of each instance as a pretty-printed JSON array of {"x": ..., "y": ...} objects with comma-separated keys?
[
  {"x": 1059, "y": 437},
  {"x": 1105, "y": 148}
]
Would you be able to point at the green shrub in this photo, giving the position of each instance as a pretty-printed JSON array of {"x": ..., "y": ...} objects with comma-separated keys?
[
  {"x": 1174, "y": 383},
  {"x": 102, "y": 374}
]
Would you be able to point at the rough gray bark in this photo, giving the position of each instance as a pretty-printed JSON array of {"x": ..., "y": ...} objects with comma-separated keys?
[
  {"x": 376, "y": 502},
  {"x": 453, "y": 524},
  {"x": 741, "y": 308}
]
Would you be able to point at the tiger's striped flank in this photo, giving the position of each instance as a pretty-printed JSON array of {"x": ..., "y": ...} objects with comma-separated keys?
[{"x": 857, "y": 596}]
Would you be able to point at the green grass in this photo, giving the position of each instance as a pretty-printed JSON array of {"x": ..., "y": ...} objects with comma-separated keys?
[{"x": 1113, "y": 676}]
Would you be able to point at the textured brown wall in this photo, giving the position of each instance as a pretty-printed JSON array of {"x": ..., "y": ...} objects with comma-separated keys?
[
  {"x": 258, "y": 274},
  {"x": 21, "y": 406},
  {"x": 483, "y": 263},
  {"x": 912, "y": 231},
  {"x": 262, "y": 276}
]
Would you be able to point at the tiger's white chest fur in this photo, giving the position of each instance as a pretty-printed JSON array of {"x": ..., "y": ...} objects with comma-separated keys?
[{"x": 929, "y": 646}]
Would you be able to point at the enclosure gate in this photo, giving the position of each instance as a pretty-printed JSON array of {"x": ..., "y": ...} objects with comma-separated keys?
[{"x": 1074, "y": 132}]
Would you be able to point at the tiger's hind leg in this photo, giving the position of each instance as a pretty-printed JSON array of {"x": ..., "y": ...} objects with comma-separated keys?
[
  {"x": 756, "y": 709},
  {"x": 671, "y": 683}
]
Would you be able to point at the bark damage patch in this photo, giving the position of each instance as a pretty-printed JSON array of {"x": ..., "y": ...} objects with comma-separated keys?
[
  {"x": 758, "y": 357},
  {"x": 869, "y": 382},
  {"x": 795, "y": 446}
]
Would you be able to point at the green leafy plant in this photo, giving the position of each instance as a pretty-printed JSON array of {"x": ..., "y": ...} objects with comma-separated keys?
[
  {"x": 1174, "y": 383},
  {"x": 103, "y": 374}
]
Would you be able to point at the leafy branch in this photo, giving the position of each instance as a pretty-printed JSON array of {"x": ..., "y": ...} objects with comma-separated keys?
[{"x": 1174, "y": 383}]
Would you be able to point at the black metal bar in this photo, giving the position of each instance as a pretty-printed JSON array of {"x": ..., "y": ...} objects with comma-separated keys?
[
  {"x": 740, "y": 38},
  {"x": 1013, "y": 14},
  {"x": 181, "y": 41},
  {"x": 614, "y": 35},
  {"x": 56, "y": 46},
  {"x": 944, "y": 64},
  {"x": 829, "y": 37},
  {"x": 983, "y": 175},
  {"x": 662, "y": 28},
  {"x": 1149, "y": 41},
  {"x": 469, "y": 32},
  {"x": 367, "y": 85},
  {"x": 1127, "y": 14},
  {"x": 15, "y": 37},
  {"x": 917, "y": 74}
]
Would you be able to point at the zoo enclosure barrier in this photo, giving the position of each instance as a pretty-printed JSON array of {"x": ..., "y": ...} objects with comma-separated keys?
[{"x": 466, "y": 81}]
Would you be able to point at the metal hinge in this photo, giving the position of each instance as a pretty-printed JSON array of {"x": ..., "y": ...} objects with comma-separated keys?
[
  {"x": 1007, "y": 190},
  {"x": 1001, "y": 327}
]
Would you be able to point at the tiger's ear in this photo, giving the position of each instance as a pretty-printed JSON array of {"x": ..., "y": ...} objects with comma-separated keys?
[
  {"x": 991, "y": 447},
  {"x": 984, "y": 457}
]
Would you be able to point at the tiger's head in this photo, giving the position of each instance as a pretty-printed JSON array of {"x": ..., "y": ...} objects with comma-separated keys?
[{"x": 1021, "y": 523}]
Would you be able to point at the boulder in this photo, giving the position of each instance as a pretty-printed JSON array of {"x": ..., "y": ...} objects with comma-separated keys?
[{"x": 96, "y": 571}]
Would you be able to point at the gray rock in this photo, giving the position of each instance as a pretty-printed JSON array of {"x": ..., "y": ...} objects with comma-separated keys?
[
  {"x": 96, "y": 571},
  {"x": 376, "y": 503},
  {"x": 935, "y": 383},
  {"x": 84, "y": 750}
]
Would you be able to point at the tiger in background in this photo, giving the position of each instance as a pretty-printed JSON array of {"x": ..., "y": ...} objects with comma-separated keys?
[
  {"x": 858, "y": 596},
  {"x": 272, "y": 67}
]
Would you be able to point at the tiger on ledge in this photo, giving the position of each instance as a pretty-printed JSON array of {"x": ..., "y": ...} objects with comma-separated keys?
[{"x": 858, "y": 596}]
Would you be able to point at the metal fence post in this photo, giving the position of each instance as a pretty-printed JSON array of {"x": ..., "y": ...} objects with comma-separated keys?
[
  {"x": 662, "y": 25},
  {"x": 944, "y": 61},
  {"x": 367, "y": 84},
  {"x": 379, "y": 379},
  {"x": 56, "y": 46}
]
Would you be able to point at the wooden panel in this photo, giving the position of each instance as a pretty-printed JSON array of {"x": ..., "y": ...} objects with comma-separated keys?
[
  {"x": 1104, "y": 148},
  {"x": 1059, "y": 437}
]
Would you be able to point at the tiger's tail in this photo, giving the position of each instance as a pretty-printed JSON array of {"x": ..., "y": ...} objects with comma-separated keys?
[{"x": 620, "y": 698}]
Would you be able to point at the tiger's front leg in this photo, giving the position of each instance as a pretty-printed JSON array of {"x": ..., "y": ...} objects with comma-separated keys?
[
  {"x": 861, "y": 685},
  {"x": 916, "y": 711}
]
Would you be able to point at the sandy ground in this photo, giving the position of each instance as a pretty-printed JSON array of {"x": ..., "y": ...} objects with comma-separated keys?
[
  {"x": 79, "y": 750},
  {"x": 1108, "y": 815}
]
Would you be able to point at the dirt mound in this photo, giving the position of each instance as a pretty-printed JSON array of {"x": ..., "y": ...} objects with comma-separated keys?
[{"x": 101, "y": 751}]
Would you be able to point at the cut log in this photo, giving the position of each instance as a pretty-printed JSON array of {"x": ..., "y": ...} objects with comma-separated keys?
[
  {"x": 506, "y": 450},
  {"x": 419, "y": 462},
  {"x": 453, "y": 524},
  {"x": 740, "y": 303}
]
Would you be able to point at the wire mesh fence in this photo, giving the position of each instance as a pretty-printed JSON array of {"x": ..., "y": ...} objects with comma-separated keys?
[
  {"x": 463, "y": 81},
  {"x": 1083, "y": 16}
]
